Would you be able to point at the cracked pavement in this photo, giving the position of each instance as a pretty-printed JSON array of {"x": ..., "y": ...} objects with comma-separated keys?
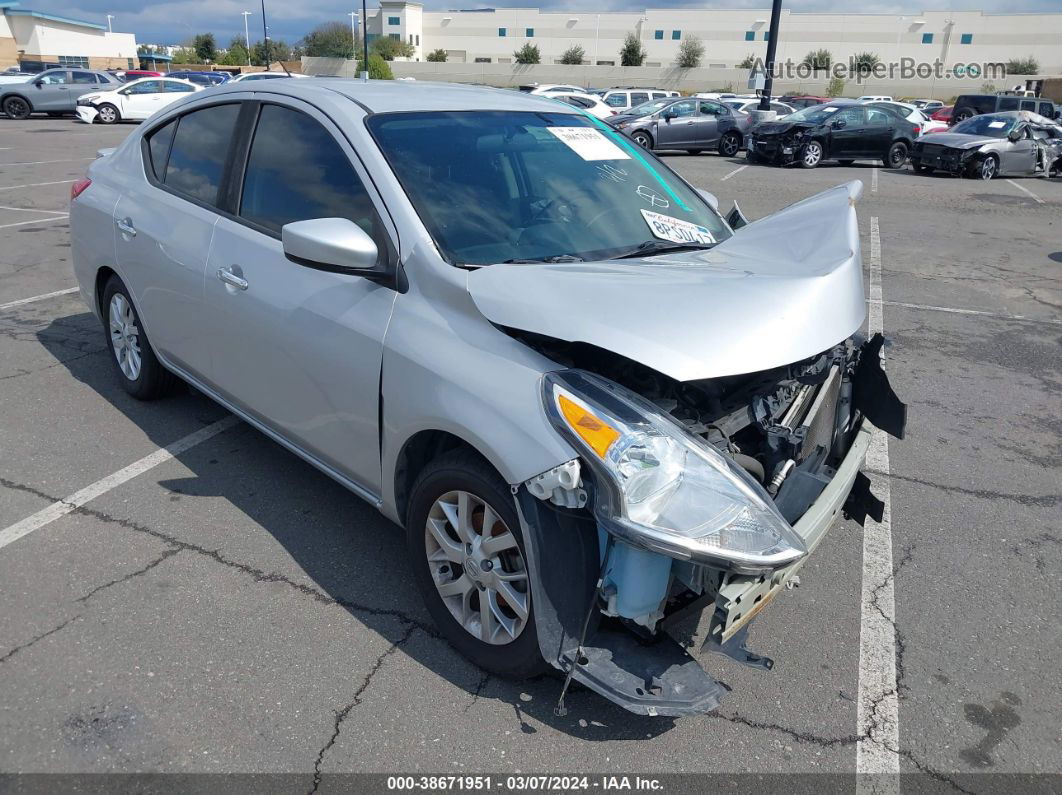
[{"x": 234, "y": 610}]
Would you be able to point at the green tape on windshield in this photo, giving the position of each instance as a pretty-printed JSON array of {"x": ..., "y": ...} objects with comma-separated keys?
[{"x": 633, "y": 151}]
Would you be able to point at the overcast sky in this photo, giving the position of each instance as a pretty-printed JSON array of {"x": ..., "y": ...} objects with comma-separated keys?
[{"x": 176, "y": 21}]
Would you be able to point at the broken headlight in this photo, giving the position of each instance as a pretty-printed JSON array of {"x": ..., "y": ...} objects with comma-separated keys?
[{"x": 662, "y": 489}]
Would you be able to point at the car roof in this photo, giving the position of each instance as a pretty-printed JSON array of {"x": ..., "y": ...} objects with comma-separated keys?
[{"x": 387, "y": 96}]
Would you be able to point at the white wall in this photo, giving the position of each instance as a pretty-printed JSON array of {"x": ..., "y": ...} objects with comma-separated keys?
[{"x": 45, "y": 37}]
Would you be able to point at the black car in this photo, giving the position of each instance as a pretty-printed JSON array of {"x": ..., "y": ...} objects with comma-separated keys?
[
  {"x": 841, "y": 130},
  {"x": 969, "y": 105}
]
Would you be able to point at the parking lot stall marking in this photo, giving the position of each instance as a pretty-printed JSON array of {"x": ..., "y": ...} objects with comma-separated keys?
[
  {"x": 732, "y": 173},
  {"x": 877, "y": 758},
  {"x": 38, "y": 184},
  {"x": 62, "y": 217},
  {"x": 61, "y": 508},
  {"x": 1025, "y": 190},
  {"x": 44, "y": 162},
  {"x": 33, "y": 210},
  {"x": 41, "y": 297},
  {"x": 982, "y": 312},
  {"x": 874, "y": 180}
]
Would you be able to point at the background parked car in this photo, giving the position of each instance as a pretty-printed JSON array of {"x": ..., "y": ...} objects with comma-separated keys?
[
  {"x": 15, "y": 77},
  {"x": 54, "y": 92},
  {"x": 913, "y": 115},
  {"x": 127, "y": 75},
  {"x": 205, "y": 79},
  {"x": 874, "y": 98},
  {"x": 588, "y": 102},
  {"x": 685, "y": 123},
  {"x": 743, "y": 105},
  {"x": 927, "y": 106},
  {"x": 969, "y": 105},
  {"x": 845, "y": 131},
  {"x": 621, "y": 99},
  {"x": 263, "y": 76},
  {"x": 1014, "y": 143},
  {"x": 943, "y": 114},
  {"x": 800, "y": 102},
  {"x": 135, "y": 101}
]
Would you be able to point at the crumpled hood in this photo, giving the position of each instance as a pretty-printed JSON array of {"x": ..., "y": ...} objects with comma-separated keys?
[
  {"x": 779, "y": 127},
  {"x": 958, "y": 140},
  {"x": 779, "y": 290}
]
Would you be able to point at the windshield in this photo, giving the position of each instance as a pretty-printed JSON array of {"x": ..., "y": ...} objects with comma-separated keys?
[
  {"x": 498, "y": 186},
  {"x": 648, "y": 107},
  {"x": 989, "y": 125},
  {"x": 816, "y": 114}
]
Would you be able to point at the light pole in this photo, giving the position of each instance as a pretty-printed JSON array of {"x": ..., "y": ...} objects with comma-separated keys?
[
  {"x": 246, "y": 36},
  {"x": 365, "y": 39},
  {"x": 597, "y": 38},
  {"x": 109, "y": 18},
  {"x": 772, "y": 49},
  {"x": 265, "y": 36},
  {"x": 353, "y": 36}
]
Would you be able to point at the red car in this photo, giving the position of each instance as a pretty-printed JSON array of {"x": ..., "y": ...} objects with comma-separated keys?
[{"x": 944, "y": 114}]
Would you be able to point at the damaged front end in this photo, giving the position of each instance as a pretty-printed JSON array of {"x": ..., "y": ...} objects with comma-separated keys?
[
  {"x": 700, "y": 496},
  {"x": 780, "y": 148}
]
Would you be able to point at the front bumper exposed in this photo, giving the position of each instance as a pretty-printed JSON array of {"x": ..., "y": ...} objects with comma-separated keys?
[
  {"x": 774, "y": 149},
  {"x": 86, "y": 113}
]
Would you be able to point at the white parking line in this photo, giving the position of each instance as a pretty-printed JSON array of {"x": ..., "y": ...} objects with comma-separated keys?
[
  {"x": 874, "y": 180},
  {"x": 39, "y": 221},
  {"x": 878, "y": 717},
  {"x": 32, "y": 298},
  {"x": 982, "y": 312},
  {"x": 732, "y": 173},
  {"x": 32, "y": 210},
  {"x": 38, "y": 184},
  {"x": 42, "y": 162},
  {"x": 1025, "y": 190},
  {"x": 100, "y": 487}
]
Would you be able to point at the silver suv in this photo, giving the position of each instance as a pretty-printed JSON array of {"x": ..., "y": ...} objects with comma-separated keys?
[
  {"x": 591, "y": 401},
  {"x": 54, "y": 92}
]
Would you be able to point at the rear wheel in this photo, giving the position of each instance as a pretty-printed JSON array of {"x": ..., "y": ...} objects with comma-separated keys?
[
  {"x": 17, "y": 108},
  {"x": 107, "y": 114},
  {"x": 812, "y": 155},
  {"x": 896, "y": 156},
  {"x": 730, "y": 144},
  {"x": 464, "y": 542},
  {"x": 643, "y": 139},
  {"x": 139, "y": 370}
]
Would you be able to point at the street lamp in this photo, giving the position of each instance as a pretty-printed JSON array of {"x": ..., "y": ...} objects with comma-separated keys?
[
  {"x": 246, "y": 36},
  {"x": 265, "y": 36},
  {"x": 772, "y": 49},
  {"x": 353, "y": 35},
  {"x": 109, "y": 18},
  {"x": 365, "y": 39}
]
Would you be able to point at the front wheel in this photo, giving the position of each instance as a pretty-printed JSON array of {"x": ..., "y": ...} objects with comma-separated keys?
[
  {"x": 643, "y": 140},
  {"x": 17, "y": 108},
  {"x": 139, "y": 370},
  {"x": 729, "y": 144},
  {"x": 896, "y": 156},
  {"x": 107, "y": 114},
  {"x": 986, "y": 169},
  {"x": 812, "y": 155}
]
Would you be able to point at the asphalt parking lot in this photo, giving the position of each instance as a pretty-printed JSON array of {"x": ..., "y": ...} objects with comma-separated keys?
[{"x": 230, "y": 609}]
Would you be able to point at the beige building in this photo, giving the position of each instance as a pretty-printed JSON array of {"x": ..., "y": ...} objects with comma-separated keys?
[
  {"x": 45, "y": 38},
  {"x": 492, "y": 35}
]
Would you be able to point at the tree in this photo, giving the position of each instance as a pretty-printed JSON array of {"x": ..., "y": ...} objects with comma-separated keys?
[
  {"x": 528, "y": 54},
  {"x": 818, "y": 59},
  {"x": 988, "y": 88},
  {"x": 835, "y": 87},
  {"x": 265, "y": 53},
  {"x": 236, "y": 54},
  {"x": 389, "y": 49},
  {"x": 205, "y": 47},
  {"x": 379, "y": 69},
  {"x": 690, "y": 52},
  {"x": 865, "y": 62},
  {"x": 1023, "y": 66},
  {"x": 573, "y": 56},
  {"x": 186, "y": 55},
  {"x": 632, "y": 53},
  {"x": 748, "y": 62},
  {"x": 330, "y": 40},
  {"x": 437, "y": 56}
]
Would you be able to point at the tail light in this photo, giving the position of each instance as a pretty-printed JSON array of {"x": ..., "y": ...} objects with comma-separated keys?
[{"x": 79, "y": 187}]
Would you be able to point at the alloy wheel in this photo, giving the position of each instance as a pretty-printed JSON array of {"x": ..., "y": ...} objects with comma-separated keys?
[
  {"x": 812, "y": 154},
  {"x": 988, "y": 168},
  {"x": 125, "y": 336},
  {"x": 477, "y": 567},
  {"x": 729, "y": 145},
  {"x": 107, "y": 114},
  {"x": 17, "y": 108}
]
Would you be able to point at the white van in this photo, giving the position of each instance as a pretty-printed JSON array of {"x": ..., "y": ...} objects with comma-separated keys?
[
  {"x": 621, "y": 99},
  {"x": 874, "y": 98}
]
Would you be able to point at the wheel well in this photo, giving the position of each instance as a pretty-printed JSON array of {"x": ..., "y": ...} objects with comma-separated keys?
[
  {"x": 4, "y": 97},
  {"x": 417, "y": 452},
  {"x": 103, "y": 275}
]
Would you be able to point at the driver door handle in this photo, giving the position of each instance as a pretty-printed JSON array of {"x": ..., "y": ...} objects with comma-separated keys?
[
  {"x": 232, "y": 279},
  {"x": 125, "y": 226}
]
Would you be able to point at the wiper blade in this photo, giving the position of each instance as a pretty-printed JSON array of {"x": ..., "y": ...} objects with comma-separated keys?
[
  {"x": 659, "y": 247},
  {"x": 554, "y": 258}
]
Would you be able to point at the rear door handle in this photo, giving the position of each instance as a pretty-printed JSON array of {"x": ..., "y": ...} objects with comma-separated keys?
[
  {"x": 232, "y": 279},
  {"x": 125, "y": 226}
]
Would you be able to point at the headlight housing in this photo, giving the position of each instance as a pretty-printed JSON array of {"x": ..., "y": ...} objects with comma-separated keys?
[{"x": 660, "y": 487}]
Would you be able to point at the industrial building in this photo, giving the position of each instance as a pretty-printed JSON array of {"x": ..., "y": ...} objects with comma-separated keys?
[
  {"x": 729, "y": 36},
  {"x": 31, "y": 39}
]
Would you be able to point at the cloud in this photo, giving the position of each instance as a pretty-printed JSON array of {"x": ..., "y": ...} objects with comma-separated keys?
[{"x": 176, "y": 21}]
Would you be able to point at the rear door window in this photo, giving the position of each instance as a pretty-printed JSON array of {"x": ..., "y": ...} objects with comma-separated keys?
[
  {"x": 84, "y": 78},
  {"x": 159, "y": 149},
  {"x": 1008, "y": 103},
  {"x": 617, "y": 100},
  {"x": 199, "y": 150},
  {"x": 638, "y": 97}
]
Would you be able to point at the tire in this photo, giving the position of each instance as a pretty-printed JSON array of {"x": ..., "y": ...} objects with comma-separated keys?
[
  {"x": 693, "y": 151},
  {"x": 962, "y": 115},
  {"x": 846, "y": 162},
  {"x": 811, "y": 155},
  {"x": 920, "y": 169},
  {"x": 643, "y": 139},
  {"x": 511, "y": 655},
  {"x": 986, "y": 169},
  {"x": 139, "y": 370},
  {"x": 730, "y": 145},
  {"x": 107, "y": 114},
  {"x": 17, "y": 108},
  {"x": 897, "y": 155}
]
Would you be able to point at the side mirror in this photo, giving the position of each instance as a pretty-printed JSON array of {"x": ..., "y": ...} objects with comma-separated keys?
[
  {"x": 838, "y": 124},
  {"x": 1014, "y": 135},
  {"x": 711, "y": 198},
  {"x": 736, "y": 218},
  {"x": 38, "y": 83},
  {"x": 669, "y": 115},
  {"x": 330, "y": 244}
]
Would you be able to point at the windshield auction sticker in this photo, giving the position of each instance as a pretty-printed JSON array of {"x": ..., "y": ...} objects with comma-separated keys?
[
  {"x": 588, "y": 143},
  {"x": 667, "y": 228}
]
